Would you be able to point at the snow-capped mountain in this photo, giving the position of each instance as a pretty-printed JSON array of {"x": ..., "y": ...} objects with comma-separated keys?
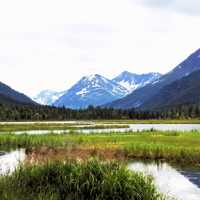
[
  {"x": 132, "y": 81},
  {"x": 48, "y": 97},
  {"x": 91, "y": 90}
]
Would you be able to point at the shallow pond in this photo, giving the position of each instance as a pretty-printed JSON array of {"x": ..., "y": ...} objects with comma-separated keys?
[
  {"x": 146, "y": 127},
  {"x": 132, "y": 127},
  {"x": 178, "y": 184}
]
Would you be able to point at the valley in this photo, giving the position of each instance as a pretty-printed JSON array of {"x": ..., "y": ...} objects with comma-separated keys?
[{"x": 99, "y": 100}]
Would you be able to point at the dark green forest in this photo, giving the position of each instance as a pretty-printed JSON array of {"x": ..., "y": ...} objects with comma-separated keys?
[{"x": 40, "y": 113}]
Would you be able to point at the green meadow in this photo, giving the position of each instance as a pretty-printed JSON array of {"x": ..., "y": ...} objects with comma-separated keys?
[{"x": 171, "y": 146}]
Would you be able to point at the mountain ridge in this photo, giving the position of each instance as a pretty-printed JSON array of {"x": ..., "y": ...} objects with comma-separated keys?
[
  {"x": 138, "y": 97},
  {"x": 180, "y": 92},
  {"x": 9, "y": 95}
]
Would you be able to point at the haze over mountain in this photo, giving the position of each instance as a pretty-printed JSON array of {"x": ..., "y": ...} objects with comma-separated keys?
[
  {"x": 9, "y": 95},
  {"x": 139, "y": 97},
  {"x": 48, "y": 97}
]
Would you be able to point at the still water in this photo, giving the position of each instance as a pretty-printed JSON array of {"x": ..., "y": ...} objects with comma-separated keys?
[
  {"x": 132, "y": 127},
  {"x": 9, "y": 161},
  {"x": 181, "y": 185}
]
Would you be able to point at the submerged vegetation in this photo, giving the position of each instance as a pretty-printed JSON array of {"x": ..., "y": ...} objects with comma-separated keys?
[{"x": 94, "y": 179}]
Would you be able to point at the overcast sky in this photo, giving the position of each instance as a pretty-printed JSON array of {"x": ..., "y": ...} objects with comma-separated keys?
[{"x": 50, "y": 44}]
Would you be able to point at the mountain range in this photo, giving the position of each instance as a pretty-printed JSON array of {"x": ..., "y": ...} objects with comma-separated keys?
[
  {"x": 96, "y": 90},
  {"x": 143, "y": 97},
  {"x": 128, "y": 90}
]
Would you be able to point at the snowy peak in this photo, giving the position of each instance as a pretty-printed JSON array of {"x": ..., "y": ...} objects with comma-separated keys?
[
  {"x": 96, "y": 81},
  {"x": 132, "y": 81},
  {"x": 92, "y": 77},
  {"x": 91, "y": 90},
  {"x": 47, "y": 97}
]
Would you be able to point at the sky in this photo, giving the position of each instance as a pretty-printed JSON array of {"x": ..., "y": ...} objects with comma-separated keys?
[{"x": 51, "y": 44}]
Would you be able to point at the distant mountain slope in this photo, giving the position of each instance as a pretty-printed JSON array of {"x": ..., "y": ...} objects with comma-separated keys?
[
  {"x": 9, "y": 95},
  {"x": 183, "y": 91},
  {"x": 91, "y": 90},
  {"x": 6, "y": 100},
  {"x": 48, "y": 97},
  {"x": 133, "y": 81},
  {"x": 142, "y": 95}
]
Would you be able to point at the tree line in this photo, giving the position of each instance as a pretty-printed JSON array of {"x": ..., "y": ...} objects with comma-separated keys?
[{"x": 40, "y": 113}]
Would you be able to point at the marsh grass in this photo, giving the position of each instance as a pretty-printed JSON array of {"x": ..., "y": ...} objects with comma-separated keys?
[
  {"x": 94, "y": 180},
  {"x": 153, "y": 145}
]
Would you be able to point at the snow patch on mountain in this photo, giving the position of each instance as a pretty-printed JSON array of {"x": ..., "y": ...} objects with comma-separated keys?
[
  {"x": 132, "y": 81},
  {"x": 91, "y": 90},
  {"x": 83, "y": 92}
]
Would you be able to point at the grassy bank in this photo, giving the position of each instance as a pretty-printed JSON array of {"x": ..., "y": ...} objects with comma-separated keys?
[
  {"x": 151, "y": 145},
  {"x": 79, "y": 181}
]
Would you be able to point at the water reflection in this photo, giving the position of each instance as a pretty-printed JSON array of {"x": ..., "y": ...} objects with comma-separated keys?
[
  {"x": 169, "y": 181},
  {"x": 193, "y": 176},
  {"x": 41, "y": 132},
  {"x": 165, "y": 127},
  {"x": 132, "y": 127},
  {"x": 9, "y": 161}
]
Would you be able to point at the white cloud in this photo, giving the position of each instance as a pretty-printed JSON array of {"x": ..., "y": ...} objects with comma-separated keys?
[{"x": 52, "y": 44}]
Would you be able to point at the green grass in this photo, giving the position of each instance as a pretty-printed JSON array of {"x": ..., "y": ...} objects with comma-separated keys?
[
  {"x": 153, "y": 145},
  {"x": 94, "y": 180}
]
